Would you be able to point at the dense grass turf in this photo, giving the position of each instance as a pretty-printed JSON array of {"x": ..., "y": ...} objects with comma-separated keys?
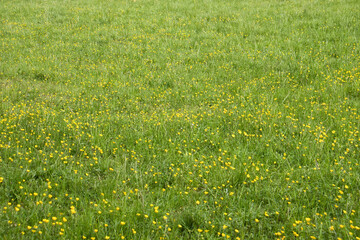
[{"x": 179, "y": 119}]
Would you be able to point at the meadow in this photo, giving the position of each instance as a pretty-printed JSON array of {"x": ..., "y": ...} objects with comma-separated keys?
[{"x": 189, "y": 119}]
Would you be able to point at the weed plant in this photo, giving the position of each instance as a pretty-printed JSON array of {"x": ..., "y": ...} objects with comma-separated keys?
[{"x": 191, "y": 119}]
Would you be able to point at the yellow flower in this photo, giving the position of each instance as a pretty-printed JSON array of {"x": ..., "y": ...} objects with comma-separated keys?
[{"x": 72, "y": 210}]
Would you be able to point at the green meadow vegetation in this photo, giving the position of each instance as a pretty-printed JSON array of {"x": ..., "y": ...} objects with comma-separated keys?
[{"x": 189, "y": 119}]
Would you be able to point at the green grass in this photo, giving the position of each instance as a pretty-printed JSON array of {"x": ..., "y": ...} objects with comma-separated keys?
[{"x": 191, "y": 119}]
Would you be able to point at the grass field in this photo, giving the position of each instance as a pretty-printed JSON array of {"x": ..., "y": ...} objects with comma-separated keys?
[{"x": 189, "y": 119}]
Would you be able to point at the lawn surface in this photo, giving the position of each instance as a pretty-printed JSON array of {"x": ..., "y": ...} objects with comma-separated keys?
[{"x": 189, "y": 119}]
